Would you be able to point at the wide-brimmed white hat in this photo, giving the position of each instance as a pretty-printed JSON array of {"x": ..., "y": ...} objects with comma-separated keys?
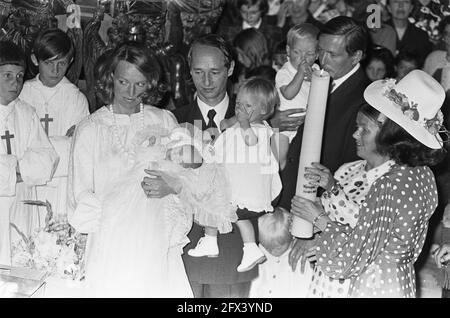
[{"x": 413, "y": 103}]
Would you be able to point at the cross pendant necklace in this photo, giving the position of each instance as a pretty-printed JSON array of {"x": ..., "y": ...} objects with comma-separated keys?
[
  {"x": 7, "y": 136},
  {"x": 46, "y": 121}
]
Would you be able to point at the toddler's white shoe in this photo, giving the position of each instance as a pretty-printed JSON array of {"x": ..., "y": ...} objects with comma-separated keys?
[
  {"x": 252, "y": 257},
  {"x": 206, "y": 246}
]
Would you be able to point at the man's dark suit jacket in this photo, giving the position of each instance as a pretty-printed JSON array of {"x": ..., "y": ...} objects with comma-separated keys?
[
  {"x": 414, "y": 41},
  {"x": 220, "y": 270},
  {"x": 338, "y": 145}
]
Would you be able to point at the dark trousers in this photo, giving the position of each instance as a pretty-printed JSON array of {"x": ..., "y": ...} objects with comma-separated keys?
[{"x": 238, "y": 290}]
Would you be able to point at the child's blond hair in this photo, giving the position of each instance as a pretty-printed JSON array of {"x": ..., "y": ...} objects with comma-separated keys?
[
  {"x": 265, "y": 91},
  {"x": 302, "y": 31},
  {"x": 274, "y": 229}
]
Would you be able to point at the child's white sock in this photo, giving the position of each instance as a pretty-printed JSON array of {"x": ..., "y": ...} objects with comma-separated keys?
[
  {"x": 210, "y": 237},
  {"x": 250, "y": 244}
]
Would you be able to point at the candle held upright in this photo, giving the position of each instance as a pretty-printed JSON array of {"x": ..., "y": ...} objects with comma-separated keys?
[{"x": 311, "y": 145}]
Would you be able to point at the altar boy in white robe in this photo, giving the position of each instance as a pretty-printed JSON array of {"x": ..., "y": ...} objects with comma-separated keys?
[
  {"x": 59, "y": 104},
  {"x": 27, "y": 158}
]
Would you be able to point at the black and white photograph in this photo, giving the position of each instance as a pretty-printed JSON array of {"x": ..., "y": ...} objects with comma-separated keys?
[{"x": 225, "y": 155}]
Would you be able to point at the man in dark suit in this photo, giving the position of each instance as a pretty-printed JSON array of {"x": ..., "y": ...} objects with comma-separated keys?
[
  {"x": 410, "y": 39},
  {"x": 211, "y": 63},
  {"x": 342, "y": 44}
]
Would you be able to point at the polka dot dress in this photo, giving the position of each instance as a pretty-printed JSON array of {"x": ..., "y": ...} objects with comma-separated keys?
[
  {"x": 378, "y": 254},
  {"x": 343, "y": 206}
]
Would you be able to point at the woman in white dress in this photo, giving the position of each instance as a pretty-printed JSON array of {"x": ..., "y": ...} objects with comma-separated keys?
[{"x": 128, "y": 252}]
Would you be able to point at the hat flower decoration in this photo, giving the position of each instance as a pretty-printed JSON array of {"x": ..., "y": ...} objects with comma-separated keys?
[{"x": 413, "y": 103}]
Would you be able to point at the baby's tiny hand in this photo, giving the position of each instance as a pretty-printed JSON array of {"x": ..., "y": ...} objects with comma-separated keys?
[{"x": 242, "y": 115}]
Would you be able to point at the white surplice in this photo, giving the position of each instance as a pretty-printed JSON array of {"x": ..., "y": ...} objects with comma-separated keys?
[
  {"x": 66, "y": 105},
  {"x": 128, "y": 252},
  {"x": 37, "y": 160}
]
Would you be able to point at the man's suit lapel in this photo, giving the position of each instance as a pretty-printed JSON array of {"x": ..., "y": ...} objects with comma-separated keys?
[
  {"x": 196, "y": 114},
  {"x": 230, "y": 110},
  {"x": 348, "y": 85}
]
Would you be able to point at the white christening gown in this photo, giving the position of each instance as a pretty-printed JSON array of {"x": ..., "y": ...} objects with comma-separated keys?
[{"x": 134, "y": 243}]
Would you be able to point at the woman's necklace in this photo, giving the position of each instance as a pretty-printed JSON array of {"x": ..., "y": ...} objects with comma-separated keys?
[{"x": 129, "y": 154}]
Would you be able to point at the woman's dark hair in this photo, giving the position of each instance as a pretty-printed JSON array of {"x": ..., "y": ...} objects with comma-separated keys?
[
  {"x": 384, "y": 55},
  {"x": 10, "y": 53},
  {"x": 254, "y": 45},
  {"x": 133, "y": 53},
  {"x": 396, "y": 143},
  {"x": 370, "y": 113},
  {"x": 51, "y": 43},
  {"x": 400, "y": 146}
]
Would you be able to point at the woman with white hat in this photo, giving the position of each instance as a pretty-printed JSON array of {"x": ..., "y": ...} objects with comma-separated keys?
[{"x": 378, "y": 254}]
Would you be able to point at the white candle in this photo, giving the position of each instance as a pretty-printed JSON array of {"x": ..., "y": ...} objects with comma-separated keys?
[{"x": 311, "y": 145}]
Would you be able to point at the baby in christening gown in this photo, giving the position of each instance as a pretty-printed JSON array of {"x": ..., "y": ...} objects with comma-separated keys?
[{"x": 141, "y": 239}]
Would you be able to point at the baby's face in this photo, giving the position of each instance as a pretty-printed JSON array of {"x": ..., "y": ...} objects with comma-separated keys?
[
  {"x": 302, "y": 49},
  {"x": 185, "y": 155}
]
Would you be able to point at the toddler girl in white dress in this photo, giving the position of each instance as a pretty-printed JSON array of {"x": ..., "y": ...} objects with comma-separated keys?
[{"x": 250, "y": 165}]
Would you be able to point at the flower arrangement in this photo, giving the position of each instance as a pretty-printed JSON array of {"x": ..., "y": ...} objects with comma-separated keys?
[
  {"x": 57, "y": 248},
  {"x": 409, "y": 108}
]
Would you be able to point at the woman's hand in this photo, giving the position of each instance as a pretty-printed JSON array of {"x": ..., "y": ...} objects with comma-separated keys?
[
  {"x": 159, "y": 185},
  {"x": 305, "y": 209},
  {"x": 302, "y": 250},
  {"x": 442, "y": 255},
  {"x": 320, "y": 176}
]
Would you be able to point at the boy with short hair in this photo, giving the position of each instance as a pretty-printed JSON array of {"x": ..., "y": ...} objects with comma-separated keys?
[
  {"x": 293, "y": 80},
  {"x": 27, "y": 157},
  {"x": 276, "y": 278},
  {"x": 59, "y": 104}
]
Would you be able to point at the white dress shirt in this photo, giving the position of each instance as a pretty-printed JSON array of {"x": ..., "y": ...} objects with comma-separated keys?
[
  {"x": 245, "y": 25},
  {"x": 221, "y": 110}
]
